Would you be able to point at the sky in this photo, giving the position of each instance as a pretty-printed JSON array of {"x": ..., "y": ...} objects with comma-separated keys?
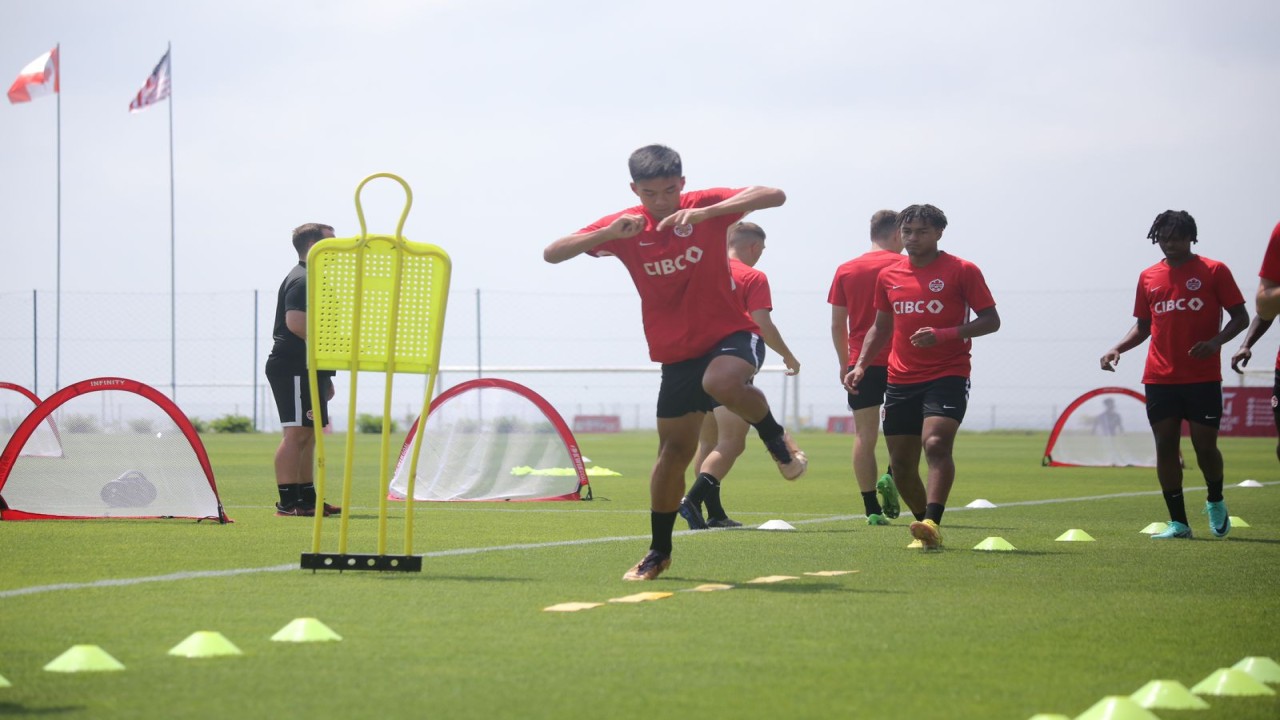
[{"x": 1050, "y": 133}]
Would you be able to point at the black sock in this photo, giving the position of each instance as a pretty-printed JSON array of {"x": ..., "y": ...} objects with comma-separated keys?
[
  {"x": 307, "y": 494},
  {"x": 871, "y": 504},
  {"x": 1177, "y": 508},
  {"x": 701, "y": 487},
  {"x": 918, "y": 516},
  {"x": 661, "y": 524},
  {"x": 768, "y": 428},
  {"x": 712, "y": 497},
  {"x": 288, "y": 495},
  {"x": 1215, "y": 490},
  {"x": 933, "y": 511}
]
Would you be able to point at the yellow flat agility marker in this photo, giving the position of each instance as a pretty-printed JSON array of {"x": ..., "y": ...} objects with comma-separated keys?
[
  {"x": 571, "y": 606},
  {"x": 710, "y": 587},
  {"x": 374, "y": 303},
  {"x": 771, "y": 579},
  {"x": 641, "y": 597},
  {"x": 832, "y": 573}
]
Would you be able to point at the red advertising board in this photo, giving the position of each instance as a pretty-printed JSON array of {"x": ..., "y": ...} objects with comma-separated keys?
[
  {"x": 597, "y": 423},
  {"x": 1246, "y": 412}
]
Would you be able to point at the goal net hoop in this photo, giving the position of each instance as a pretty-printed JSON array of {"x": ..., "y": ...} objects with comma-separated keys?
[
  {"x": 19, "y": 402},
  {"x": 127, "y": 452},
  {"x": 492, "y": 439},
  {"x": 1106, "y": 427}
]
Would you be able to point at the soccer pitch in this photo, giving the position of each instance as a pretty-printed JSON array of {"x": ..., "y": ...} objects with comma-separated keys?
[{"x": 1052, "y": 627}]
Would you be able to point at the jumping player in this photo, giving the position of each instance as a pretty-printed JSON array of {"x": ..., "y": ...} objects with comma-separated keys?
[
  {"x": 923, "y": 304},
  {"x": 1267, "y": 289},
  {"x": 724, "y": 434},
  {"x": 673, "y": 246},
  {"x": 1179, "y": 306},
  {"x": 287, "y": 375},
  {"x": 852, "y": 299}
]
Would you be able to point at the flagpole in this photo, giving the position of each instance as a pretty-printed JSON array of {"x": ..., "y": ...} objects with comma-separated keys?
[
  {"x": 57, "y": 314},
  {"x": 173, "y": 303}
]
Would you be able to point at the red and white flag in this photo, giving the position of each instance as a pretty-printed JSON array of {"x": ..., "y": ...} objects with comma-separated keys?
[
  {"x": 155, "y": 89},
  {"x": 39, "y": 77}
]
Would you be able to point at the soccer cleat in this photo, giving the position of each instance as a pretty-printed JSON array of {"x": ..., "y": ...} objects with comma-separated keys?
[
  {"x": 928, "y": 533},
  {"x": 724, "y": 522},
  {"x": 330, "y": 510},
  {"x": 1175, "y": 529},
  {"x": 791, "y": 460},
  {"x": 915, "y": 545},
  {"x": 1219, "y": 520},
  {"x": 692, "y": 514},
  {"x": 650, "y": 567},
  {"x": 877, "y": 519},
  {"x": 888, "y": 496},
  {"x": 297, "y": 510}
]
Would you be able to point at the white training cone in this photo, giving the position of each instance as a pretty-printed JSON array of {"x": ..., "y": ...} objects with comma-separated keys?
[
  {"x": 981, "y": 504},
  {"x": 1249, "y": 483},
  {"x": 776, "y": 525}
]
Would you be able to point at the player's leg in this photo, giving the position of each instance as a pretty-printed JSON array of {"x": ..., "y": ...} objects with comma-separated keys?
[
  {"x": 1164, "y": 412},
  {"x": 297, "y": 438},
  {"x": 865, "y": 405},
  {"x": 1204, "y": 414},
  {"x": 691, "y": 503},
  {"x": 944, "y": 405},
  {"x": 903, "y": 425},
  {"x": 731, "y": 442},
  {"x": 1275, "y": 410},
  {"x": 728, "y": 380}
]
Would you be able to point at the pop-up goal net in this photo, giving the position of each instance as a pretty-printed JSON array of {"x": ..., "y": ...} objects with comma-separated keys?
[
  {"x": 1106, "y": 427},
  {"x": 16, "y": 403},
  {"x": 492, "y": 439},
  {"x": 127, "y": 452}
]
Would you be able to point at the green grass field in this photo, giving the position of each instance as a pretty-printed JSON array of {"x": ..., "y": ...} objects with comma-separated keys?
[{"x": 1052, "y": 627}]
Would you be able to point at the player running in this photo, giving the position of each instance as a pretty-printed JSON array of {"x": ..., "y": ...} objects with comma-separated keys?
[
  {"x": 1179, "y": 306},
  {"x": 923, "y": 304},
  {"x": 673, "y": 245}
]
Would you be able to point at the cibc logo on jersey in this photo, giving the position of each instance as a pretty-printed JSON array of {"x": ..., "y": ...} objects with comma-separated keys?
[
  {"x": 917, "y": 307},
  {"x": 1163, "y": 306},
  {"x": 667, "y": 266}
]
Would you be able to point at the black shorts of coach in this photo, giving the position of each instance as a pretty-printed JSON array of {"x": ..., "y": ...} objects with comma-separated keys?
[
  {"x": 906, "y": 406},
  {"x": 1200, "y": 403},
  {"x": 293, "y": 399},
  {"x": 870, "y": 388},
  {"x": 681, "y": 391}
]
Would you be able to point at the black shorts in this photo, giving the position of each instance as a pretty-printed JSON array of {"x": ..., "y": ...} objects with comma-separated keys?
[
  {"x": 906, "y": 406},
  {"x": 681, "y": 391},
  {"x": 871, "y": 389},
  {"x": 1200, "y": 403},
  {"x": 293, "y": 399}
]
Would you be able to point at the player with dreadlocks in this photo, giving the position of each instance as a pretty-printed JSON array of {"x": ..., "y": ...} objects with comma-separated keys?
[{"x": 1179, "y": 305}]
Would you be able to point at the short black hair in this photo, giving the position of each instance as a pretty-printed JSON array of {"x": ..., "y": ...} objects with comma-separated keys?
[
  {"x": 654, "y": 161},
  {"x": 926, "y": 213},
  {"x": 1177, "y": 223},
  {"x": 304, "y": 235}
]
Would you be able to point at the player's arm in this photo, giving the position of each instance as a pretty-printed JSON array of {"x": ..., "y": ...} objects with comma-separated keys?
[
  {"x": 623, "y": 226},
  {"x": 840, "y": 336},
  {"x": 1268, "y": 300},
  {"x": 756, "y": 197},
  {"x": 1257, "y": 329},
  {"x": 773, "y": 338},
  {"x": 1137, "y": 335},
  {"x": 296, "y": 321},
  {"x": 985, "y": 322},
  {"x": 877, "y": 336},
  {"x": 1238, "y": 320}
]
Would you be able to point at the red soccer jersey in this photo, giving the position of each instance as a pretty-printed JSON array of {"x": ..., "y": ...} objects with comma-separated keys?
[
  {"x": 940, "y": 295},
  {"x": 1271, "y": 267},
  {"x": 750, "y": 286},
  {"x": 686, "y": 291},
  {"x": 1184, "y": 306},
  {"x": 854, "y": 288}
]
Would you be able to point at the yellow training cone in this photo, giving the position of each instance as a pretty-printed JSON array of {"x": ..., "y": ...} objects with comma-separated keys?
[
  {"x": 1262, "y": 669},
  {"x": 1117, "y": 707},
  {"x": 1229, "y": 681},
  {"x": 305, "y": 630},
  {"x": 1167, "y": 694},
  {"x": 994, "y": 543},
  {"x": 1154, "y": 528},
  {"x": 204, "y": 643},
  {"x": 84, "y": 658},
  {"x": 1238, "y": 522},
  {"x": 5, "y": 683},
  {"x": 1075, "y": 535}
]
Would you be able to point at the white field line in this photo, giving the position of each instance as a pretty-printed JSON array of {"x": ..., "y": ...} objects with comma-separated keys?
[{"x": 200, "y": 574}]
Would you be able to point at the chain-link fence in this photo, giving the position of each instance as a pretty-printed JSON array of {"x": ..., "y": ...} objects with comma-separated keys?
[{"x": 584, "y": 352}]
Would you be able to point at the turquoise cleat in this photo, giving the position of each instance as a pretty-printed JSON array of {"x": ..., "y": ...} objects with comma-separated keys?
[
  {"x": 1219, "y": 520},
  {"x": 1174, "y": 530}
]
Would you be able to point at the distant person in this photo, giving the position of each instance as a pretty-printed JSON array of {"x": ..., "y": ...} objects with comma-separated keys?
[
  {"x": 1179, "y": 305},
  {"x": 1268, "y": 302},
  {"x": 1108, "y": 422},
  {"x": 853, "y": 310},
  {"x": 287, "y": 374},
  {"x": 673, "y": 245},
  {"x": 923, "y": 306},
  {"x": 724, "y": 434}
]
